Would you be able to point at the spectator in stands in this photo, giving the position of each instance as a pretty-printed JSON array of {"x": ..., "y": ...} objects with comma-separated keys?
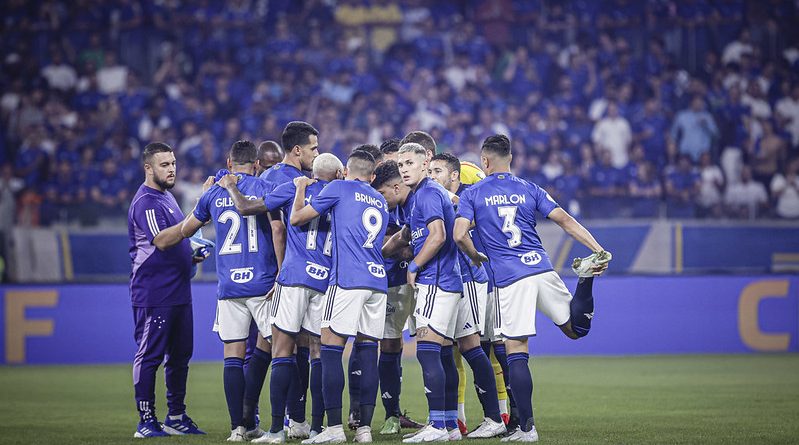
[
  {"x": 613, "y": 134},
  {"x": 682, "y": 186},
  {"x": 746, "y": 199},
  {"x": 694, "y": 129},
  {"x": 60, "y": 75},
  {"x": 109, "y": 192},
  {"x": 605, "y": 184},
  {"x": 711, "y": 188},
  {"x": 785, "y": 191},
  {"x": 568, "y": 187},
  {"x": 788, "y": 112},
  {"x": 650, "y": 131},
  {"x": 767, "y": 153}
]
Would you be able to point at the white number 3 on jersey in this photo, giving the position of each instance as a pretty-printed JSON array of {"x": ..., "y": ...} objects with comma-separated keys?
[{"x": 509, "y": 225}]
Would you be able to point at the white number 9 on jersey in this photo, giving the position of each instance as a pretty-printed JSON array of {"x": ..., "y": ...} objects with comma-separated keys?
[{"x": 372, "y": 221}]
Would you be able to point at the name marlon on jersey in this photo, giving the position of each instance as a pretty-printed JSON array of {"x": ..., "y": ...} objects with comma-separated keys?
[{"x": 495, "y": 200}]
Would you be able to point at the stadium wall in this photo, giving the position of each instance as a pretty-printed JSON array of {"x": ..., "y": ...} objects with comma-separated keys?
[{"x": 634, "y": 315}]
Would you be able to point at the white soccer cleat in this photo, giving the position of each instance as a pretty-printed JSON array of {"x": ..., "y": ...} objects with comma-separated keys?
[
  {"x": 592, "y": 265},
  {"x": 254, "y": 433},
  {"x": 237, "y": 435},
  {"x": 522, "y": 436},
  {"x": 270, "y": 437},
  {"x": 429, "y": 434},
  {"x": 363, "y": 434},
  {"x": 299, "y": 430},
  {"x": 331, "y": 434},
  {"x": 487, "y": 429},
  {"x": 454, "y": 434}
]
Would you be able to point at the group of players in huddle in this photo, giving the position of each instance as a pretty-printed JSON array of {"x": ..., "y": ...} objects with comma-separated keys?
[{"x": 392, "y": 240}]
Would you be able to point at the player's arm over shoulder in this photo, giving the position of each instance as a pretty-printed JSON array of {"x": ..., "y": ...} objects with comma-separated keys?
[{"x": 151, "y": 216}]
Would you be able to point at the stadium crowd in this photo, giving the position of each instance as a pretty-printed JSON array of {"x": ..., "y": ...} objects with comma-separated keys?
[{"x": 619, "y": 108}]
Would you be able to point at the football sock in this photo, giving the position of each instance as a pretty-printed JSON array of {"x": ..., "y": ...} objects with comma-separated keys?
[
  {"x": 300, "y": 392},
  {"x": 388, "y": 372},
  {"x": 254, "y": 377},
  {"x": 522, "y": 387},
  {"x": 450, "y": 387},
  {"x": 484, "y": 382},
  {"x": 367, "y": 358},
  {"x": 233, "y": 375},
  {"x": 332, "y": 382},
  {"x": 354, "y": 381},
  {"x": 582, "y": 306},
  {"x": 429, "y": 355},
  {"x": 283, "y": 368},
  {"x": 502, "y": 359},
  {"x": 317, "y": 400}
]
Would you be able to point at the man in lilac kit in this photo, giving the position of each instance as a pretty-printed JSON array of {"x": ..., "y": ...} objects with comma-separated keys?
[{"x": 161, "y": 295}]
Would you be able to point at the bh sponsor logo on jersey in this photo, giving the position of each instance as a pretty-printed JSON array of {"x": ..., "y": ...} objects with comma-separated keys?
[
  {"x": 376, "y": 270},
  {"x": 228, "y": 202},
  {"x": 316, "y": 271},
  {"x": 496, "y": 200},
  {"x": 531, "y": 258},
  {"x": 371, "y": 200},
  {"x": 241, "y": 275}
]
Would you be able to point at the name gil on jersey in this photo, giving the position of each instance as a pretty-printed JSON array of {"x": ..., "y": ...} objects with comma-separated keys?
[
  {"x": 371, "y": 200},
  {"x": 495, "y": 200},
  {"x": 228, "y": 202}
]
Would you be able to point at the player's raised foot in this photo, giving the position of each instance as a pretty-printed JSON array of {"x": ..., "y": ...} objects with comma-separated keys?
[
  {"x": 429, "y": 434},
  {"x": 331, "y": 434},
  {"x": 407, "y": 422},
  {"x": 151, "y": 428},
  {"x": 522, "y": 436},
  {"x": 237, "y": 434},
  {"x": 180, "y": 425},
  {"x": 353, "y": 421},
  {"x": 487, "y": 429},
  {"x": 270, "y": 437},
  {"x": 299, "y": 430},
  {"x": 391, "y": 426},
  {"x": 363, "y": 434},
  {"x": 592, "y": 265},
  {"x": 462, "y": 427},
  {"x": 254, "y": 433},
  {"x": 454, "y": 434}
]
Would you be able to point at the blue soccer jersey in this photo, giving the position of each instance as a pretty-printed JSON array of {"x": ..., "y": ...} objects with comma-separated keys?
[
  {"x": 245, "y": 261},
  {"x": 397, "y": 270},
  {"x": 428, "y": 203},
  {"x": 281, "y": 173},
  {"x": 503, "y": 208},
  {"x": 359, "y": 217},
  {"x": 469, "y": 272},
  {"x": 309, "y": 247}
]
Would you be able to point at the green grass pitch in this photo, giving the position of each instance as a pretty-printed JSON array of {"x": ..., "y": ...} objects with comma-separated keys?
[{"x": 618, "y": 400}]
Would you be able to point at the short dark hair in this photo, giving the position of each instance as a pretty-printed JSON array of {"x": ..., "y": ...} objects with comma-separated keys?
[
  {"x": 269, "y": 147},
  {"x": 153, "y": 148},
  {"x": 362, "y": 162},
  {"x": 391, "y": 145},
  {"x": 498, "y": 144},
  {"x": 372, "y": 150},
  {"x": 422, "y": 138},
  {"x": 243, "y": 152},
  {"x": 385, "y": 173},
  {"x": 453, "y": 164},
  {"x": 297, "y": 133}
]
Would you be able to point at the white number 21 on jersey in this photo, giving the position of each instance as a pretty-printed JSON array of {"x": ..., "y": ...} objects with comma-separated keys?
[
  {"x": 509, "y": 225},
  {"x": 231, "y": 247}
]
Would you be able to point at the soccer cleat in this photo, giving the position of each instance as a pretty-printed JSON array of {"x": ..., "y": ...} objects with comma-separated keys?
[
  {"x": 429, "y": 434},
  {"x": 392, "y": 426},
  {"x": 254, "y": 433},
  {"x": 180, "y": 426},
  {"x": 407, "y": 422},
  {"x": 455, "y": 434},
  {"x": 522, "y": 436},
  {"x": 237, "y": 434},
  {"x": 462, "y": 427},
  {"x": 487, "y": 429},
  {"x": 270, "y": 437},
  {"x": 313, "y": 434},
  {"x": 151, "y": 428},
  {"x": 363, "y": 434},
  {"x": 298, "y": 430},
  {"x": 592, "y": 265},
  {"x": 331, "y": 434},
  {"x": 353, "y": 421}
]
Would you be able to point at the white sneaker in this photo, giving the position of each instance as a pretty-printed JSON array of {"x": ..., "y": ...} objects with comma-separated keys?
[
  {"x": 331, "y": 434},
  {"x": 299, "y": 430},
  {"x": 313, "y": 434},
  {"x": 237, "y": 435},
  {"x": 429, "y": 434},
  {"x": 592, "y": 265},
  {"x": 254, "y": 433},
  {"x": 363, "y": 434},
  {"x": 270, "y": 437},
  {"x": 521, "y": 436},
  {"x": 487, "y": 429},
  {"x": 454, "y": 434}
]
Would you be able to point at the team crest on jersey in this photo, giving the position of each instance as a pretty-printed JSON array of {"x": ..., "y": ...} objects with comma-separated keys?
[
  {"x": 531, "y": 258},
  {"x": 241, "y": 275},
  {"x": 376, "y": 270},
  {"x": 316, "y": 271}
]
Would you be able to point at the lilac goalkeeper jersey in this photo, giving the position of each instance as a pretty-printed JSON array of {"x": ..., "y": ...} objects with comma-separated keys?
[
  {"x": 157, "y": 278},
  {"x": 503, "y": 208}
]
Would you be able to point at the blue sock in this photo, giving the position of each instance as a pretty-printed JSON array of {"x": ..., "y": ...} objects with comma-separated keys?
[
  {"x": 429, "y": 355},
  {"x": 484, "y": 382},
  {"x": 332, "y": 382},
  {"x": 522, "y": 385},
  {"x": 367, "y": 358},
  {"x": 317, "y": 400},
  {"x": 233, "y": 375},
  {"x": 582, "y": 306},
  {"x": 450, "y": 387},
  {"x": 300, "y": 392},
  {"x": 388, "y": 371},
  {"x": 502, "y": 359},
  {"x": 254, "y": 377},
  {"x": 354, "y": 381},
  {"x": 283, "y": 368}
]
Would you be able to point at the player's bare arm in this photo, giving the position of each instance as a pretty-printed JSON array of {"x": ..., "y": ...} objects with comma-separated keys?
[
  {"x": 397, "y": 243},
  {"x": 301, "y": 213},
  {"x": 436, "y": 237},
  {"x": 278, "y": 236},
  {"x": 578, "y": 232},
  {"x": 244, "y": 206},
  {"x": 170, "y": 236},
  {"x": 464, "y": 241}
]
